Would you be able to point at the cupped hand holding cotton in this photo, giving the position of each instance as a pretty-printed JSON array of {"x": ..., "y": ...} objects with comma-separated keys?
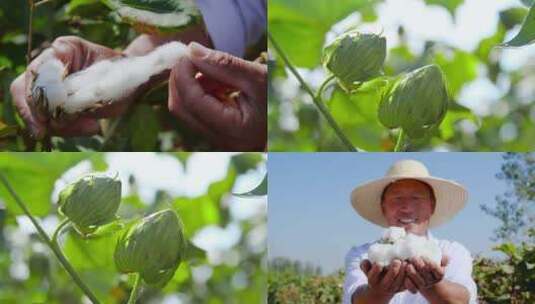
[
  {"x": 397, "y": 244},
  {"x": 102, "y": 83}
]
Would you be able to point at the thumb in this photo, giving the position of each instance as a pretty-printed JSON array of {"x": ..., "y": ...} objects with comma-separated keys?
[
  {"x": 365, "y": 266},
  {"x": 244, "y": 75}
]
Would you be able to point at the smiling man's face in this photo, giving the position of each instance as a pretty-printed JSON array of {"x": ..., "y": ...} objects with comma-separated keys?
[{"x": 409, "y": 204}]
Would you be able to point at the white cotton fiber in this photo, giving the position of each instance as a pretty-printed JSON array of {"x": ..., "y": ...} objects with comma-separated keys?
[
  {"x": 110, "y": 80},
  {"x": 400, "y": 245},
  {"x": 394, "y": 233},
  {"x": 381, "y": 254},
  {"x": 50, "y": 79}
]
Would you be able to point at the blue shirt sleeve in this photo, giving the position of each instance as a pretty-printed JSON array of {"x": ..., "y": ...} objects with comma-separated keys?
[{"x": 234, "y": 24}]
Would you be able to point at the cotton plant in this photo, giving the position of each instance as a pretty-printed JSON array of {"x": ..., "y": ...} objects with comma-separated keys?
[
  {"x": 151, "y": 249},
  {"x": 396, "y": 243}
]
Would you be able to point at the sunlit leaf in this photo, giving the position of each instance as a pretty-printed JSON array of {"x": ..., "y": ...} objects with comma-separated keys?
[
  {"x": 307, "y": 22},
  {"x": 526, "y": 35},
  {"x": 450, "y": 5},
  {"x": 32, "y": 176},
  {"x": 460, "y": 69},
  {"x": 245, "y": 161},
  {"x": 194, "y": 253},
  {"x": 513, "y": 16},
  {"x": 157, "y": 16},
  {"x": 259, "y": 190},
  {"x": 144, "y": 127}
]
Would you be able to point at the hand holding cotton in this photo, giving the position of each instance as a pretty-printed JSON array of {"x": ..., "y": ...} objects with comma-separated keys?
[
  {"x": 397, "y": 244},
  {"x": 102, "y": 83}
]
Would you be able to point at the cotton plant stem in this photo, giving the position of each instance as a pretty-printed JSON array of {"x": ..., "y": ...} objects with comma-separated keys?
[
  {"x": 31, "y": 8},
  {"x": 135, "y": 289},
  {"x": 399, "y": 143},
  {"x": 323, "y": 86},
  {"x": 317, "y": 101},
  {"x": 55, "y": 248},
  {"x": 57, "y": 232}
]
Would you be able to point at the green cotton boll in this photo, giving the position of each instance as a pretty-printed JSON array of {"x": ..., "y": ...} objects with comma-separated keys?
[
  {"x": 154, "y": 247},
  {"x": 90, "y": 202},
  {"x": 416, "y": 103},
  {"x": 354, "y": 58}
]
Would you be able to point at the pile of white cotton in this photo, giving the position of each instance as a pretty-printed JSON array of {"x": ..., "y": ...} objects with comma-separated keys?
[
  {"x": 397, "y": 244},
  {"x": 103, "y": 82}
]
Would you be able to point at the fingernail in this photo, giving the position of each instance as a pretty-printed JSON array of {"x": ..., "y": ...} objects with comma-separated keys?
[{"x": 197, "y": 50}]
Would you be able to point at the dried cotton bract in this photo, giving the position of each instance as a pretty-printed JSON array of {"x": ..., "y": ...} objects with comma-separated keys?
[
  {"x": 396, "y": 244},
  {"x": 104, "y": 82}
]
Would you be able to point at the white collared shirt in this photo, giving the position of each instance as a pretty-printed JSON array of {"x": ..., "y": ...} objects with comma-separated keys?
[{"x": 458, "y": 270}]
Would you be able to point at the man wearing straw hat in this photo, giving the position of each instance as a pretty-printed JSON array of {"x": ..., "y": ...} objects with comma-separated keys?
[{"x": 409, "y": 197}]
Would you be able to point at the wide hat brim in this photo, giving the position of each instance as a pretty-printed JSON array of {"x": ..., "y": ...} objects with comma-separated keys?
[{"x": 450, "y": 199}]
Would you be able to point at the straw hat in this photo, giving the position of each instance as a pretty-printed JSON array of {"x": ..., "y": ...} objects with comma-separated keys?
[{"x": 450, "y": 196}]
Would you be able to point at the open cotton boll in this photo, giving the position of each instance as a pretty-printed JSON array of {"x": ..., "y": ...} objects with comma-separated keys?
[
  {"x": 396, "y": 244},
  {"x": 48, "y": 85},
  {"x": 381, "y": 254},
  {"x": 394, "y": 233},
  {"x": 110, "y": 80}
]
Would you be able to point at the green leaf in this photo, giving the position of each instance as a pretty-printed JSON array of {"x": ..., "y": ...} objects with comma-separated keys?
[
  {"x": 507, "y": 248},
  {"x": 193, "y": 253},
  {"x": 196, "y": 213},
  {"x": 306, "y": 22},
  {"x": 144, "y": 127},
  {"x": 182, "y": 157},
  {"x": 450, "y": 5},
  {"x": 245, "y": 161},
  {"x": 157, "y": 16},
  {"x": 6, "y": 130},
  {"x": 106, "y": 230},
  {"x": 528, "y": 3},
  {"x": 459, "y": 69},
  {"x": 526, "y": 35},
  {"x": 86, "y": 8},
  {"x": 259, "y": 190},
  {"x": 32, "y": 175},
  {"x": 206, "y": 209},
  {"x": 513, "y": 16},
  {"x": 456, "y": 112},
  {"x": 357, "y": 115}
]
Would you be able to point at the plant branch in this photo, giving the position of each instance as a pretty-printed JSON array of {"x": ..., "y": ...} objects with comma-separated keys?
[
  {"x": 323, "y": 86},
  {"x": 135, "y": 289},
  {"x": 55, "y": 248},
  {"x": 31, "y": 6},
  {"x": 317, "y": 101}
]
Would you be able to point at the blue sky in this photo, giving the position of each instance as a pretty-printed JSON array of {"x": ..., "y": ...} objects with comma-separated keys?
[{"x": 310, "y": 217}]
